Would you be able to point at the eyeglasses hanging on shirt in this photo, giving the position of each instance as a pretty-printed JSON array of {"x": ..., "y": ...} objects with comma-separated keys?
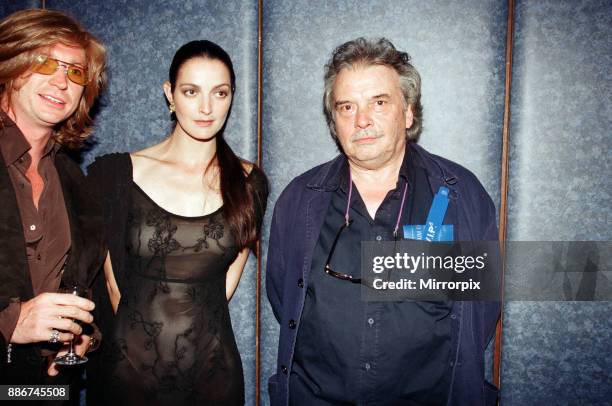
[
  {"x": 433, "y": 227},
  {"x": 347, "y": 222}
]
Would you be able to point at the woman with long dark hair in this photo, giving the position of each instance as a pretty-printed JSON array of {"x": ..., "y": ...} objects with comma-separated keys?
[{"x": 181, "y": 218}]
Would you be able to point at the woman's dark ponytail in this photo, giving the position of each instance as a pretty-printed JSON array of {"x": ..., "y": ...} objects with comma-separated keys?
[{"x": 238, "y": 206}]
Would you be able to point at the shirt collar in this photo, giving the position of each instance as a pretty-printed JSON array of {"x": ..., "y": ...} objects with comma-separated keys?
[
  {"x": 406, "y": 172},
  {"x": 13, "y": 143}
]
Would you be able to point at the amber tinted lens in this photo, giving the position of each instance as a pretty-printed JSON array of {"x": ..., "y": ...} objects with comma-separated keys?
[
  {"x": 44, "y": 65},
  {"x": 77, "y": 75},
  {"x": 48, "y": 66}
]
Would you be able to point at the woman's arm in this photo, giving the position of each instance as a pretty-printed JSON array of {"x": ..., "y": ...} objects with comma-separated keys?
[
  {"x": 111, "y": 284},
  {"x": 234, "y": 272}
]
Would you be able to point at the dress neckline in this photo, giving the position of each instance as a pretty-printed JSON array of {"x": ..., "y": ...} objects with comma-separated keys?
[{"x": 150, "y": 199}]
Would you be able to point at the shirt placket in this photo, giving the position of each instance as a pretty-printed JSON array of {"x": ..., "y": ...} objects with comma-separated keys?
[{"x": 371, "y": 351}]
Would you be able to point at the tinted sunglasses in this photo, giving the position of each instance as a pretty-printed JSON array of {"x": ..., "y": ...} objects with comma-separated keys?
[
  {"x": 46, "y": 65},
  {"x": 327, "y": 268}
]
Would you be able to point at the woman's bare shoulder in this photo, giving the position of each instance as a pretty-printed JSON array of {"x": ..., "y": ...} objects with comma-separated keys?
[{"x": 148, "y": 161}]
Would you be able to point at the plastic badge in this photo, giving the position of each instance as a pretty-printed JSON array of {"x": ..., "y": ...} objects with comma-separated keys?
[
  {"x": 433, "y": 229},
  {"x": 417, "y": 232}
]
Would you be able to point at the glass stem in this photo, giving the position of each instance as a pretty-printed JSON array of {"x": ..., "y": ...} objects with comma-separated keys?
[{"x": 72, "y": 346}]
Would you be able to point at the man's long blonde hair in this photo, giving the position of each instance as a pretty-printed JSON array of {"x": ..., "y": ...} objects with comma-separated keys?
[{"x": 23, "y": 34}]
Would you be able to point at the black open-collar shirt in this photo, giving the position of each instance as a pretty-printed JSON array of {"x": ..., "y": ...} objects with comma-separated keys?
[{"x": 349, "y": 351}]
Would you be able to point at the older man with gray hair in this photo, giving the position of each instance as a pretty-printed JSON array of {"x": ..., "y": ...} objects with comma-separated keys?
[{"x": 336, "y": 348}]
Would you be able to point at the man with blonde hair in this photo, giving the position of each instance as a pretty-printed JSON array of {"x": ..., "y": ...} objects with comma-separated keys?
[{"x": 51, "y": 72}]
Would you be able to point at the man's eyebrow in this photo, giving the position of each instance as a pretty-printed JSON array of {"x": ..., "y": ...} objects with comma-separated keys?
[
  {"x": 381, "y": 96},
  {"x": 339, "y": 102},
  {"x": 82, "y": 65},
  {"x": 78, "y": 64}
]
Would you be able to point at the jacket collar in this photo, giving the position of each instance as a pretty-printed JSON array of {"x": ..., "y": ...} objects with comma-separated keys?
[{"x": 438, "y": 173}]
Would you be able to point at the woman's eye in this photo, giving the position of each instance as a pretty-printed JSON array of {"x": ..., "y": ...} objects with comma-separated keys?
[
  {"x": 222, "y": 93},
  {"x": 189, "y": 92}
]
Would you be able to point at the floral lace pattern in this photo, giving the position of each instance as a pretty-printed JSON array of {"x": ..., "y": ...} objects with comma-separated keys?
[{"x": 173, "y": 341}]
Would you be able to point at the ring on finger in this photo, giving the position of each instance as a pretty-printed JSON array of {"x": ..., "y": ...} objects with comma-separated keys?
[{"x": 54, "y": 336}]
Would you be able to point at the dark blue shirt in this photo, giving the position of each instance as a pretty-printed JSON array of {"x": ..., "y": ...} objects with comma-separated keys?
[{"x": 349, "y": 351}]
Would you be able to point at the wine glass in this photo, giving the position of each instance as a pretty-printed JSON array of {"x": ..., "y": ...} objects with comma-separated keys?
[{"x": 71, "y": 358}]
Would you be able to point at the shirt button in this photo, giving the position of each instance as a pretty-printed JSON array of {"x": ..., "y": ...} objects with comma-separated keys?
[
  {"x": 453, "y": 316},
  {"x": 370, "y": 321},
  {"x": 32, "y": 227},
  {"x": 367, "y": 366},
  {"x": 38, "y": 257},
  {"x": 301, "y": 283},
  {"x": 378, "y": 238},
  {"x": 284, "y": 369},
  {"x": 292, "y": 324}
]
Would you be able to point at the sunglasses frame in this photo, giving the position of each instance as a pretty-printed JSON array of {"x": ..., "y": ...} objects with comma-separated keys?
[
  {"x": 40, "y": 62},
  {"x": 327, "y": 268}
]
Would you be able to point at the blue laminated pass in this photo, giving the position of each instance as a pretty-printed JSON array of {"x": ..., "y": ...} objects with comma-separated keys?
[
  {"x": 433, "y": 229},
  {"x": 417, "y": 232}
]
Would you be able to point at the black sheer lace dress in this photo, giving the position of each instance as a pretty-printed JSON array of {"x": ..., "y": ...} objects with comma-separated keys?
[{"x": 172, "y": 341}]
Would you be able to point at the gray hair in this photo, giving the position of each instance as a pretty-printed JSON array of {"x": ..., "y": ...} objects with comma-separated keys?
[{"x": 368, "y": 52}]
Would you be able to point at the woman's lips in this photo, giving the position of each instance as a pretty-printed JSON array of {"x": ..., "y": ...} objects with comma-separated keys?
[{"x": 204, "y": 123}]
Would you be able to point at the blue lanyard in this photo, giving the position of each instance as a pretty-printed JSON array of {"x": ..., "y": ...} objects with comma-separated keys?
[{"x": 436, "y": 215}]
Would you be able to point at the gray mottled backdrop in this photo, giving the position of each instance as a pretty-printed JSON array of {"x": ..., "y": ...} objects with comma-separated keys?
[
  {"x": 554, "y": 353},
  {"x": 560, "y": 184},
  {"x": 9, "y": 6}
]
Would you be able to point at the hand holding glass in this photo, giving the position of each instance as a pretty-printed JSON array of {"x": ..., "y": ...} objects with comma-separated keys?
[{"x": 72, "y": 358}]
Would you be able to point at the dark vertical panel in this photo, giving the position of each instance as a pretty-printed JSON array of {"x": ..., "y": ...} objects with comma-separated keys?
[
  {"x": 458, "y": 47},
  {"x": 141, "y": 37},
  {"x": 559, "y": 352},
  {"x": 503, "y": 204},
  {"x": 9, "y": 7},
  {"x": 259, "y": 284}
]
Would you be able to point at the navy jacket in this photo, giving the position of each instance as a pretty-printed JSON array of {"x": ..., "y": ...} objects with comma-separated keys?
[{"x": 298, "y": 216}]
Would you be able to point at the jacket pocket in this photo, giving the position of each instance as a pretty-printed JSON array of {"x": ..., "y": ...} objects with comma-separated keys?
[{"x": 491, "y": 393}]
